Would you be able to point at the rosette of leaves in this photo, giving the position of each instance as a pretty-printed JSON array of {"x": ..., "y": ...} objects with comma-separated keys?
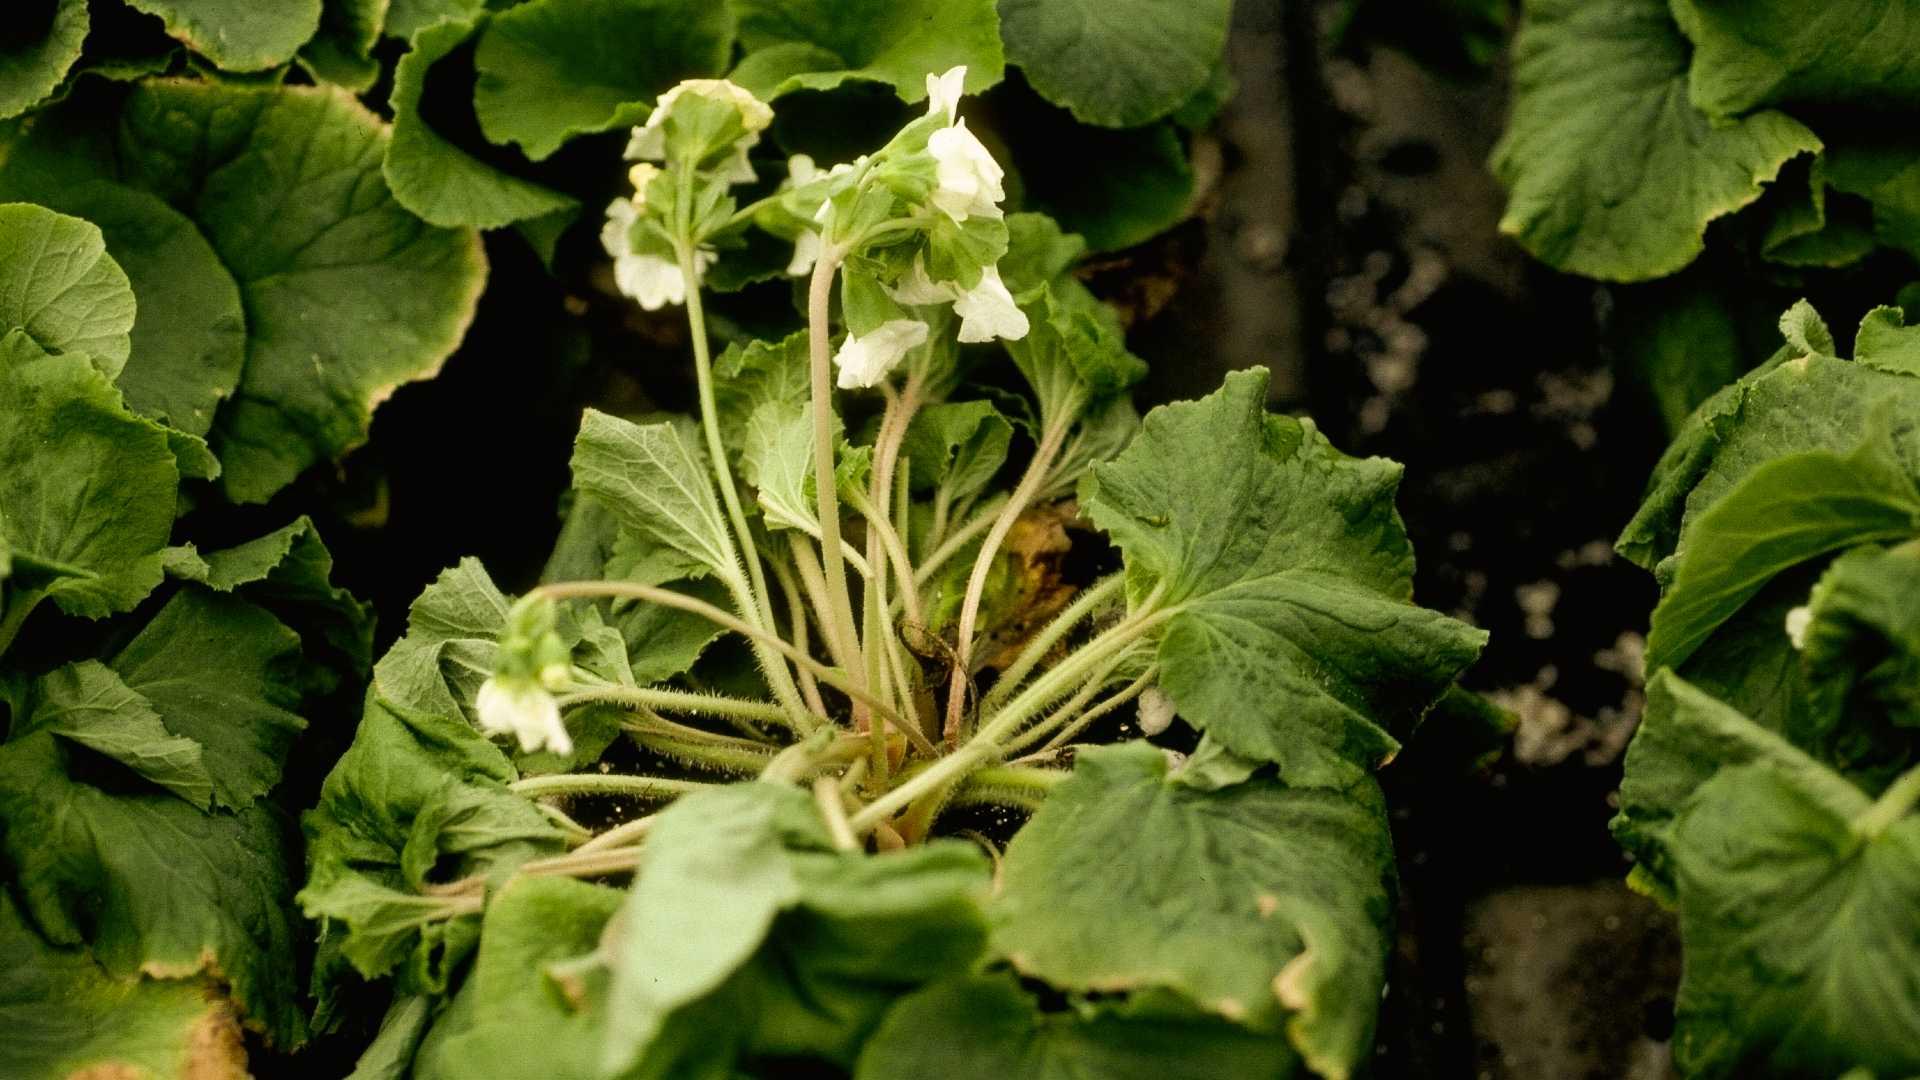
[
  {"x": 822, "y": 625},
  {"x": 1770, "y": 786},
  {"x": 151, "y": 693}
]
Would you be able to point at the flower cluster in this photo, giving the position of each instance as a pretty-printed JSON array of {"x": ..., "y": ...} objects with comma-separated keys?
[
  {"x": 707, "y": 125},
  {"x": 532, "y": 662},
  {"x": 933, "y": 194}
]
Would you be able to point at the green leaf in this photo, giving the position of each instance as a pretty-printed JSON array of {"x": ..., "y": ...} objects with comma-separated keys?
[
  {"x": 1073, "y": 354},
  {"x": 342, "y": 52},
  {"x": 390, "y": 1055},
  {"x": 238, "y": 35},
  {"x": 418, "y": 797},
  {"x": 1116, "y": 65},
  {"x": 87, "y": 704},
  {"x": 346, "y": 294},
  {"x": 744, "y": 909},
  {"x": 1768, "y": 52},
  {"x": 1785, "y": 512},
  {"x": 289, "y": 572},
  {"x": 958, "y": 445},
  {"x": 190, "y": 335},
  {"x": 154, "y": 885},
  {"x": 63, "y": 436},
  {"x": 219, "y": 671},
  {"x": 819, "y": 44},
  {"x": 406, "y": 18},
  {"x": 1801, "y": 400},
  {"x": 58, "y": 283},
  {"x": 528, "y": 1020},
  {"x": 1881, "y": 166},
  {"x": 1115, "y": 188},
  {"x": 983, "y": 1027},
  {"x": 776, "y": 460},
  {"x": 1039, "y": 253},
  {"x": 1598, "y": 83},
  {"x": 1266, "y": 905},
  {"x": 1684, "y": 342},
  {"x": 763, "y": 371},
  {"x": 33, "y": 64},
  {"x": 655, "y": 485},
  {"x": 65, "y": 1017},
  {"x": 1801, "y": 956},
  {"x": 554, "y": 69},
  {"x": 1686, "y": 737},
  {"x": 1862, "y": 661},
  {"x": 1287, "y": 577},
  {"x": 436, "y": 179},
  {"x": 329, "y": 266}
]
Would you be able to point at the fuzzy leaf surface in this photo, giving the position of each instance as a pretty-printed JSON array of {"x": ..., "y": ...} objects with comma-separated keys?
[
  {"x": 1612, "y": 172},
  {"x": 1265, "y": 905},
  {"x": 63, "y": 431},
  {"x": 1116, "y": 65},
  {"x": 554, "y": 69},
  {"x": 1293, "y": 638},
  {"x": 58, "y": 283},
  {"x": 818, "y": 44}
]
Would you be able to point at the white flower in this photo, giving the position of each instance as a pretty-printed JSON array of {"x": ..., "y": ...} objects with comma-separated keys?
[
  {"x": 801, "y": 170},
  {"x": 943, "y": 92},
  {"x": 650, "y": 140},
  {"x": 1797, "y": 622},
  {"x": 865, "y": 360},
  {"x": 1156, "y": 711},
  {"x": 969, "y": 178},
  {"x": 654, "y": 280},
  {"x": 806, "y": 249},
  {"x": 987, "y": 311},
  {"x": 918, "y": 290},
  {"x": 524, "y": 710}
]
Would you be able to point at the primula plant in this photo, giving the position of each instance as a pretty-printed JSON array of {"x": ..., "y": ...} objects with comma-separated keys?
[
  {"x": 1769, "y": 791},
  {"x": 813, "y": 669}
]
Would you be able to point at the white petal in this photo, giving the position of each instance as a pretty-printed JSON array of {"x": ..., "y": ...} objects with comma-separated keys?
[
  {"x": 615, "y": 235},
  {"x": 987, "y": 311},
  {"x": 801, "y": 170},
  {"x": 652, "y": 280},
  {"x": 865, "y": 360},
  {"x": 968, "y": 177},
  {"x": 1156, "y": 711},
  {"x": 943, "y": 92},
  {"x": 917, "y": 289},
  {"x": 1797, "y": 622},
  {"x": 525, "y": 711},
  {"x": 806, "y": 249}
]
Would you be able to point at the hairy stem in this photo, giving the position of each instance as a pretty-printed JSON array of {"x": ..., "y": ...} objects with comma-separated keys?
[
  {"x": 643, "y": 787},
  {"x": 758, "y": 600},
  {"x": 1022, "y": 787},
  {"x": 685, "y": 701},
  {"x": 982, "y": 566},
  {"x": 621, "y": 835},
  {"x": 1893, "y": 804},
  {"x": 797, "y": 612},
  {"x": 833, "y": 808},
  {"x": 815, "y": 580},
  {"x": 957, "y": 541},
  {"x": 1072, "y": 731},
  {"x": 827, "y": 499},
  {"x": 669, "y": 598},
  {"x": 1042, "y": 643}
]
